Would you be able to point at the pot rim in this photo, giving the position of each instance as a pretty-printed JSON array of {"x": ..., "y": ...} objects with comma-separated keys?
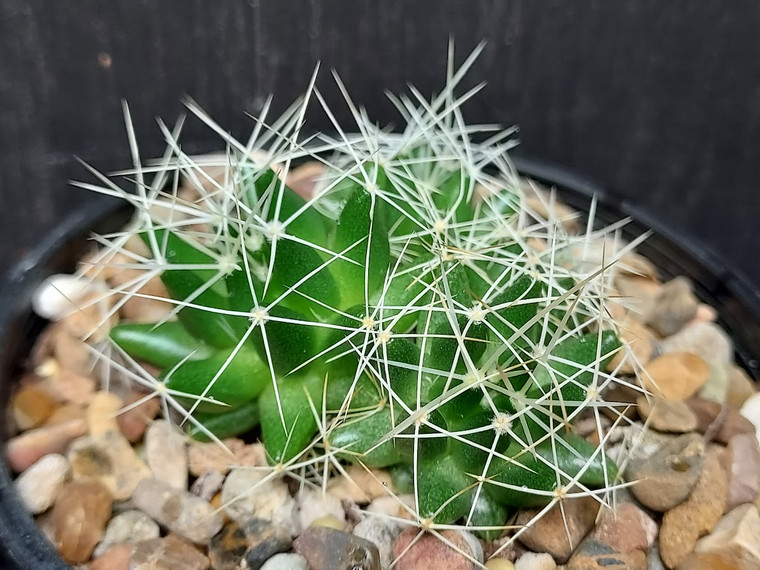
[{"x": 716, "y": 282}]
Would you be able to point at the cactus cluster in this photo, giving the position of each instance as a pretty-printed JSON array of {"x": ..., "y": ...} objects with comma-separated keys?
[{"x": 412, "y": 313}]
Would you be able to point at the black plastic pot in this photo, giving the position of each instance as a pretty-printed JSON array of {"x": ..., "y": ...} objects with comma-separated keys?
[{"x": 23, "y": 546}]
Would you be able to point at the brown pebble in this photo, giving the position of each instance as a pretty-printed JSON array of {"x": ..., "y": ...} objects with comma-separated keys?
[
  {"x": 134, "y": 421},
  {"x": 723, "y": 423},
  {"x": 31, "y": 406},
  {"x": 740, "y": 387},
  {"x": 683, "y": 525},
  {"x": 70, "y": 387},
  {"x": 674, "y": 306},
  {"x": 167, "y": 553},
  {"x": 667, "y": 477},
  {"x": 675, "y": 376},
  {"x": 71, "y": 352},
  {"x": 666, "y": 415},
  {"x": 115, "y": 558},
  {"x": 79, "y": 517},
  {"x": 65, "y": 413},
  {"x": 622, "y": 528},
  {"x": 742, "y": 463},
  {"x": 429, "y": 551},
  {"x": 594, "y": 554},
  {"x": 328, "y": 549},
  {"x": 735, "y": 541},
  {"x": 25, "y": 449},
  {"x": 640, "y": 343},
  {"x": 560, "y": 530}
]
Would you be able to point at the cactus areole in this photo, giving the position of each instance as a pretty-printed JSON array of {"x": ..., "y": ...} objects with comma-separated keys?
[{"x": 402, "y": 315}]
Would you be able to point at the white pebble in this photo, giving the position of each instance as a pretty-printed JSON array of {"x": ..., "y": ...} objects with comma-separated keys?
[
  {"x": 535, "y": 561},
  {"x": 246, "y": 494},
  {"x": 59, "y": 295},
  {"x": 382, "y": 532},
  {"x": 39, "y": 485},
  {"x": 751, "y": 411},
  {"x": 289, "y": 561},
  {"x": 315, "y": 504}
]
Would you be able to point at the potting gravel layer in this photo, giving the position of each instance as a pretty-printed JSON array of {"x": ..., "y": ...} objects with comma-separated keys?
[{"x": 114, "y": 483}]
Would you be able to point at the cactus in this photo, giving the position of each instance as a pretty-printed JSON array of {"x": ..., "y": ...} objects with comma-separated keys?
[{"x": 403, "y": 316}]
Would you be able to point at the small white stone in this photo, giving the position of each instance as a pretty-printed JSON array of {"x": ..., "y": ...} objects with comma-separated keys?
[
  {"x": 39, "y": 485},
  {"x": 751, "y": 411},
  {"x": 315, "y": 504},
  {"x": 245, "y": 493},
  {"x": 166, "y": 453},
  {"x": 180, "y": 511},
  {"x": 476, "y": 547},
  {"x": 535, "y": 561},
  {"x": 288, "y": 561},
  {"x": 382, "y": 532},
  {"x": 59, "y": 295},
  {"x": 127, "y": 527}
]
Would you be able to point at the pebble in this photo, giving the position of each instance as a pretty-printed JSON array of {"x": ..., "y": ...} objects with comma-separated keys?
[
  {"x": 107, "y": 454},
  {"x": 210, "y": 457},
  {"x": 675, "y": 376},
  {"x": 668, "y": 476},
  {"x": 626, "y": 528},
  {"x": 638, "y": 348},
  {"x": 400, "y": 506},
  {"x": 65, "y": 413},
  {"x": 735, "y": 541},
  {"x": 381, "y": 532},
  {"x": 181, "y": 512},
  {"x": 70, "y": 387},
  {"x": 265, "y": 540},
  {"x": 70, "y": 352},
  {"x": 560, "y": 529},
  {"x": 706, "y": 339},
  {"x": 740, "y": 387},
  {"x": 742, "y": 463},
  {"x": 674, "y": 306},
  {"x": 716, "y": 386},
  {"x": 304, "y": 179},
  {"x": 751, "y": 411},
  {"x": 167, "y": 553},
  {"x": 207, "y": 485},
  {"x": 639, "y": 294},
  {"x": 79, "y": 519},
  {"x": 429, "y": 551},
  {"x": 315, "y": 504},
  {"x": 593, "y": 554},
  {"x": 40, "y": 485},
  {"x": 128, "y": 527},
  {"x": 246, "y": 493},
  {"x": 60, "y": 294},
  {"x": 722, "y": 422},
  {"x": 289, "y": 561},
  {"x": 166, "y": 453},
  {"x": 134, "y": 421},
  {"x": 25, "y": 449},
  {"x": 360, "y": 485},
  {"x": 535, "y": 561},
  {"x": 330, "y": 549},
  {"x": 666, "y": 415},
  {"x": 115, "y": 558},
  {"x": 31, "y": 406},
  {"x": 505, "y": 564},
  {"x": 683, "y": 525}
]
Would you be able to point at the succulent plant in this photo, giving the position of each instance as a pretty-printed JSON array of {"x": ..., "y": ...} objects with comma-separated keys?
[{"x": 413, "y": 313}]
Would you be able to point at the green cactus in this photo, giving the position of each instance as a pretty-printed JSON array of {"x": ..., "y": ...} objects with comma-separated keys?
[{"x": 399, "y": 317}]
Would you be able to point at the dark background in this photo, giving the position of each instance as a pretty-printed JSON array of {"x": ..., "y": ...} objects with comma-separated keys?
[{"x": 659, "y": 101}]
